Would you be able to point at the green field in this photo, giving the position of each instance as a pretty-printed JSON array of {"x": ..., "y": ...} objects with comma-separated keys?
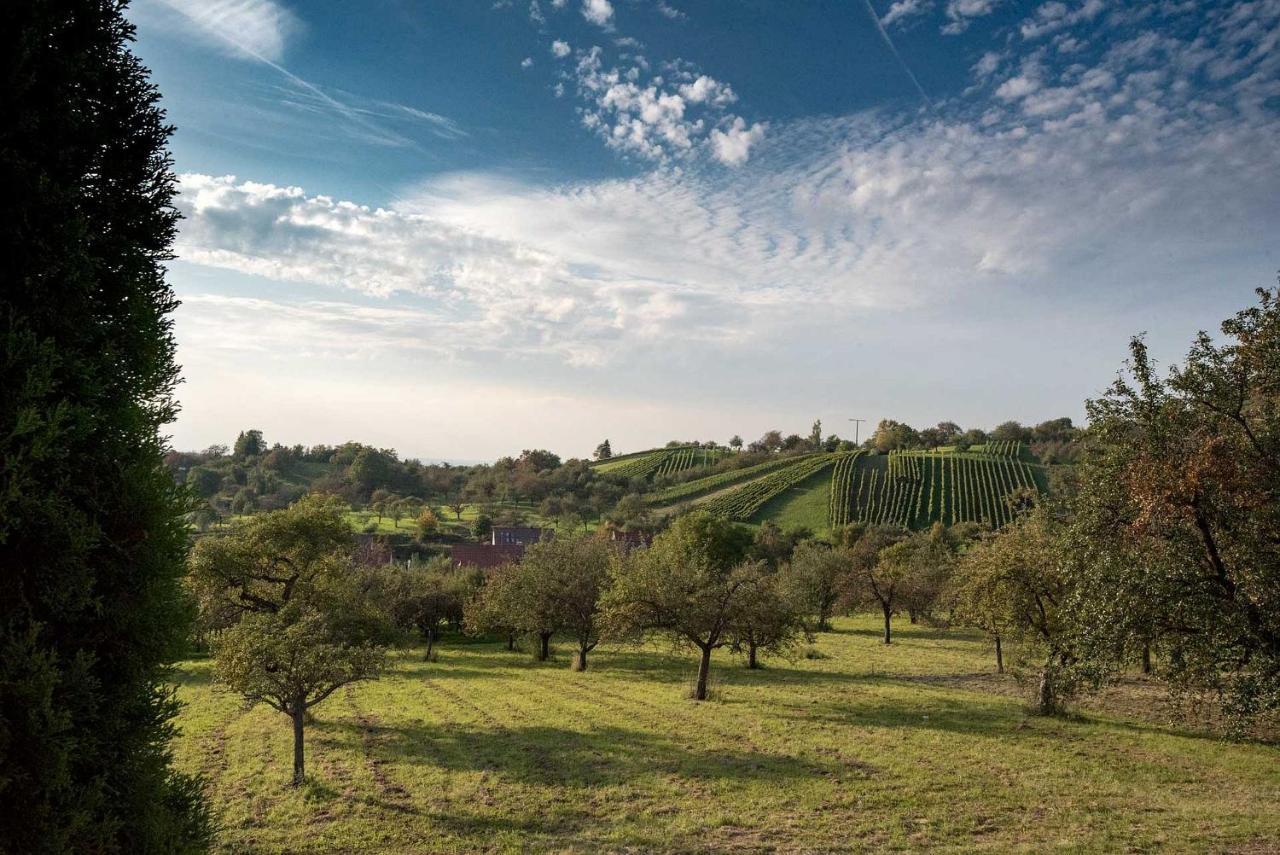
[{"x": 916, "y": 746}]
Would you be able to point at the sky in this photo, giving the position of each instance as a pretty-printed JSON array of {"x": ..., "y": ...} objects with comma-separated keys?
[{"x": 463, "y": 228}]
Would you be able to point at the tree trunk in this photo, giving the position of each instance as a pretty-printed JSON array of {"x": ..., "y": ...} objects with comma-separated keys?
[
  {"x": 299, "y": 763},
  {"x": 1047, "y": 701},
  {"x": 544, "y": 646},
  {"x": 431, "y": 642},
  {"x": 581, "y": 663},
  {"x": 751, "y": 655},
  {"x": 511, "y": 641},
  {"x": 999, "y": 657},
  {"x": 704, "y": 668},
  {"x": 888, "y": 629},
  {"x": 911, "y": 615},
  {"x": 1146, "y": 659}
]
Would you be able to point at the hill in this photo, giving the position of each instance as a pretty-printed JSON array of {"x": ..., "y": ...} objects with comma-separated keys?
[{"x": 823, "y": 490}]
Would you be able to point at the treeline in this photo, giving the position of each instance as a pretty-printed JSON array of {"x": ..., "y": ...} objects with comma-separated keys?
[{"x": 1052, "y": 441}]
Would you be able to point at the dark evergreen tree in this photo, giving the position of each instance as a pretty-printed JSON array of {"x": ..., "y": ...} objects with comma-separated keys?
[{"x": 92, "y": 537}]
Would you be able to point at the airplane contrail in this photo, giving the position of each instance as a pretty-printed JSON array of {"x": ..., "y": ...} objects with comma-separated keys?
[{"x": 892, "y": 49}]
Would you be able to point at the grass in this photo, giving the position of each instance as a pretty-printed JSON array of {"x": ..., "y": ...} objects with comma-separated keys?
[
  {"x": 917, "y": 746},
  {"x": 806, "y": 505}
]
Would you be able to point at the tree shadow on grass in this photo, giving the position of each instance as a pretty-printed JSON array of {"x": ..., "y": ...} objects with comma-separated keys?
[
  {"x": 602, "y": 756},
  {"x": 911, "y": 632}
]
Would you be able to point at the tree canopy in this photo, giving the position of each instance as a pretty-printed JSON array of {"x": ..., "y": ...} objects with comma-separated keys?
[{"x": 92, "y": 529}]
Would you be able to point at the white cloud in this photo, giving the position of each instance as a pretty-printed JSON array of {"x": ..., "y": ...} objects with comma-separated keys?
[
  {"x": 1017, "y": 87},
  {"x": 668, "y": 11},
  {"x": 560, "y": 49},
  {"x": 732, "y": 147},
  {"x": 986, "y": 65},
  {"x": 598, "y": 12},
  {"x": 256, "y": 29},
  {"x": 901, "y": 10},
  {"x": 1055, "y": 15},
  {"x": 664, "y": 117},
  {"x": 527, "y": 62},
  {"x": 707, "y": 90},
  {"x": 961, "y": 13}
]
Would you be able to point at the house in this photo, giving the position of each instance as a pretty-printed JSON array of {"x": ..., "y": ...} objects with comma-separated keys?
[
  {"x": 485, "y": 555},
  {"x": 507, "y": 535},
  {"x": 629, "y": 540}
]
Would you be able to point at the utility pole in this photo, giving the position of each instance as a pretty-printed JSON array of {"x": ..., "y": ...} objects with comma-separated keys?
[{"x": 857, "y": 425}]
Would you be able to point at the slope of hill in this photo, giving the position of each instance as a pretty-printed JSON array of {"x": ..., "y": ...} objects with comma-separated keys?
[
  {"x": 913, "y": 489},
  {"x": 660, "y": 462}
]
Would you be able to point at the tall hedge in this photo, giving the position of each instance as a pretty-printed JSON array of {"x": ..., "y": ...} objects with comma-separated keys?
[{"x": 91, "y": 533}]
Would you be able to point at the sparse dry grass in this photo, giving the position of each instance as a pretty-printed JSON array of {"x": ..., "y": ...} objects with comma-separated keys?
[{"x": 908, "y": 748}]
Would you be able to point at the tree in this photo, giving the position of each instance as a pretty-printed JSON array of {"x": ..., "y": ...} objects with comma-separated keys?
[
  {"x": 249, "y": 443},
  {"x": 400, "y": 508},
  {"x": 571, "y": 573},
  {"x": 771, "y": 441},
  {"x": 518, "y": 599},
  {"x": 928, "y": 563},
  {"x": 370, "y": 469},
  {"x": 1011, "y": 431},
  {"x": 687, "y": 584},
  {"x": 631, "y": 512},
  {"x": 878, "y": 581},
  {"x": 816, "y": 578},
  {"x": 457, "y": 505},
  {"x": 1019, "y": 582},
  {"x": 948, "y": 432},
  {"x": 603, "y": 451},
  {"x": 204, "y": 482},
  {"x": 428, "y": 523},
  {"x": 425, "y": 596},
  {"x": 92, "y": 529},
  {"x": 979, "y": 599},
  {"x": 774, "y": 546},
  {"x": 482, "y": 527},
  {"x": 892, "y": 435},
  {"x": 767, "y": 616},
  {"x": 298, "y": 622},
  {"x": 735, "y": 442},
  {"x": 815, "y": 435},
  {"x": 1178, "y": 509}
]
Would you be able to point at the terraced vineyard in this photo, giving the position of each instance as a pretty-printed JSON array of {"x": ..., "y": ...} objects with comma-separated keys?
[
  {"x": 711, "y": 483},
  {"x": 912, "y": 489},
  {"x": 743, "y": 502},
  {"x": 660, "y": 462},
  {"x": 915, "y": 489},
  {"x": 1009, "y": 448},
  {"x": 684, "y": 459}
]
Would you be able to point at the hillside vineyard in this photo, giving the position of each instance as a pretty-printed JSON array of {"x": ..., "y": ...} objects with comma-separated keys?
[{"x": 912, "y": 489}]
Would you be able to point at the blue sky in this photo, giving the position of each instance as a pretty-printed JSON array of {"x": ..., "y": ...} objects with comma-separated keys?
[{"x": 464, "y": 228}]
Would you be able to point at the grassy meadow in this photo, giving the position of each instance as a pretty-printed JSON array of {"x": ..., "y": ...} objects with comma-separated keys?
[{"x": 918, "y": 746}]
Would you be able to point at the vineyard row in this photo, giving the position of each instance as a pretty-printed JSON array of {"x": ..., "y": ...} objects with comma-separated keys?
[
  {"x": 915, "y": 490},
  {"x": 743, "y": 502}
]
